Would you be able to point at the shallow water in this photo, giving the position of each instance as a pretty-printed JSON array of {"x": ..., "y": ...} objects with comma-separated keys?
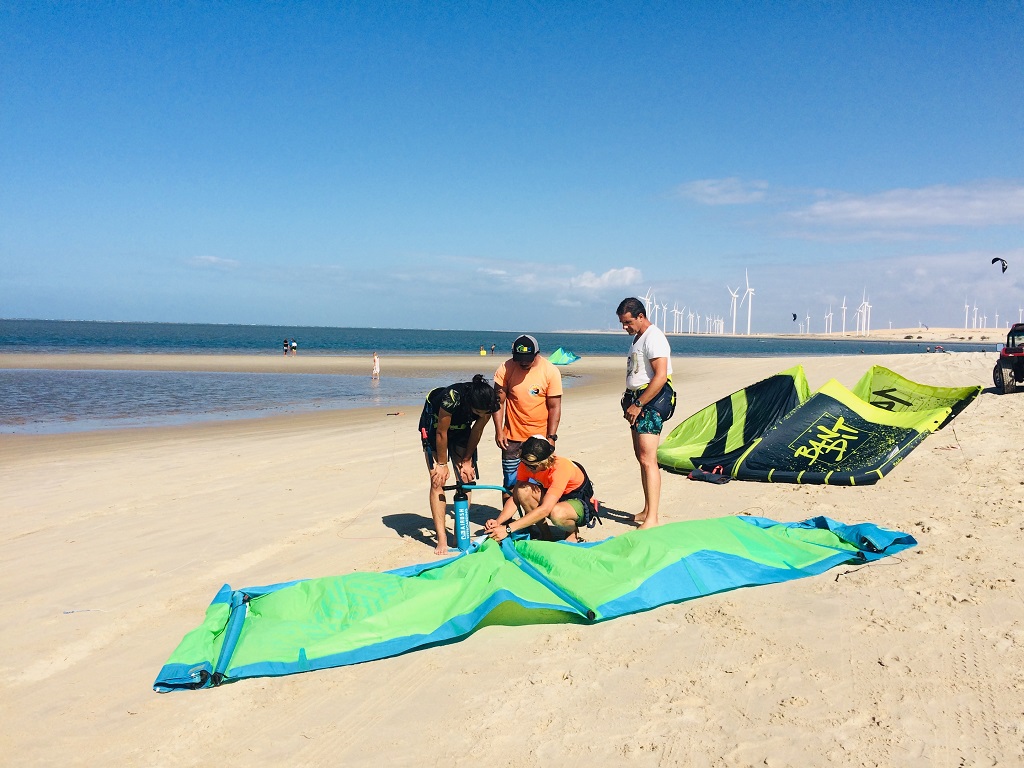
[{"x": 51, "y": 401}]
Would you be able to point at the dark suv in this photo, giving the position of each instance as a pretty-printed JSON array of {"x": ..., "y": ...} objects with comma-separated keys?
[{"x": 1008, "y": 375}]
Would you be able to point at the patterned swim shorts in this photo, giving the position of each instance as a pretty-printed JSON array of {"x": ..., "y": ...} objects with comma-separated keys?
[{"x": 649, "y": 422}]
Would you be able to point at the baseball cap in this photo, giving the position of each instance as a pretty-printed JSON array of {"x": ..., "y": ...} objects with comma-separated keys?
[
  {"x": 535, "y": 449},
  {"x": 524, "y": 349}
]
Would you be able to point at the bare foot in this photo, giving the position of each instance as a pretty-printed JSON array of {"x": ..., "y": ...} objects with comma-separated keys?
[
  {"x": 649, "y": 522},
  {"x": 441, "y": 549},
  {"x": 574, "y": 536},
  {"x": 640, "y": 519}
]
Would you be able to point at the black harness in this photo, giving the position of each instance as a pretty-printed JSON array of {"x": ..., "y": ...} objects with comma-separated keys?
[{"x": 585, "y": 494}]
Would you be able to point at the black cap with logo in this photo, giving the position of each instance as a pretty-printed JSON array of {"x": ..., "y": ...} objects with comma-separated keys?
[{"x": 524, "y": 349}]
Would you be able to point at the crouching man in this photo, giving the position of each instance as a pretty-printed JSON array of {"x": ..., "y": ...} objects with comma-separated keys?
[{"x": 549, "y": 489}]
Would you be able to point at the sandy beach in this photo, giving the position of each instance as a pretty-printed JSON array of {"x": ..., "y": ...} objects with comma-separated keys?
[{"x": 113, "y": 544}]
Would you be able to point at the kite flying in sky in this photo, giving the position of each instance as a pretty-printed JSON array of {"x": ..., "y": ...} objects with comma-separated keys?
[{"x": 1001, "y": 261}]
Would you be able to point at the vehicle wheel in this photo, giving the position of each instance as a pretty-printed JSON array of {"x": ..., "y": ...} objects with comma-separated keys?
[
  {"x": 997, "y": 376},
  {"x": 1009, "y": 380}
]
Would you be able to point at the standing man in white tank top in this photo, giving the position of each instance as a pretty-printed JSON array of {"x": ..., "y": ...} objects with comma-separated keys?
[{"x": 649, "y": 399}]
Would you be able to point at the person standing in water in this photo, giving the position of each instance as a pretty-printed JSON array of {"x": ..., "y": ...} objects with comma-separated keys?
[{"x": 375, "y": 373}]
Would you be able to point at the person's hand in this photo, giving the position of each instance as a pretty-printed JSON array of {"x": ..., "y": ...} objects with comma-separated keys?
[
  {"x": 466, "y": 471},
  {"x": 498, "y": 533},
  {"x": 439, "y": 475},
  {"x": 632, "y": 413},
  {"x": 501, "y": 441},
  {"x": 490, "y": 525}
]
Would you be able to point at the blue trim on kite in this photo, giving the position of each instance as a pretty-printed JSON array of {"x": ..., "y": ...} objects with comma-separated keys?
[
  {"x": 457, "y": 627},
  {"x": 872, "y": 541},
  {"x": 239, "y": 610},
  {"x": 178, "y": 677},
  {"x": 223, "y": 596},
  {"x": 707, "y": 573}
]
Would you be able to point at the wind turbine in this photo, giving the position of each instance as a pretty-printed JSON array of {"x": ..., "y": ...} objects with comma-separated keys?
[
  {"x": 748, "y": 297},
  {"x": 732, "y": 306},
  {"x": 664, "y": 316},
  {"x": 828, "y": 320},
  {"x": 975, "y": 323},
  {"x": 844, "y": 314},
  {"x": 864, "y": 315},
  {"x": 967, "y": 312},
  {"x": 807, "y": 325},
  {"x": 647, "y": 303}
]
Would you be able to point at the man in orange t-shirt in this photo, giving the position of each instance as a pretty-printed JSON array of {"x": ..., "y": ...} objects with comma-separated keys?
[{"x": 529, "y": 402}]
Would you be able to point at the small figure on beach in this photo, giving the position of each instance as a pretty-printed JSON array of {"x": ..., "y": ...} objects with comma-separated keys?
[
  {"x": 375, "y": 373},
  {"x": 483, "y": 352},
  {"x": 548, "y": 488},
  {"x": 529, "y": 403},
  {"x": 649, "y": 400},
  {"x": 492, "y": 349},
  {"x": 295, "y": 347},
  {"x": 287, "y": 346},
  {"x": 451, "y": 424}
]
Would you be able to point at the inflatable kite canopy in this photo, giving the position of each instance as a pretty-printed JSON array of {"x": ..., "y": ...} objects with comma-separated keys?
[
  {"x": 777, "y": 431},
  {"x": 333, "y": 621},
  {"x": 563, "y": 357}
]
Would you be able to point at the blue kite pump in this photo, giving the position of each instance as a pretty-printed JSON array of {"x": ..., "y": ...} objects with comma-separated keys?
[
  {"x": 461, "y": 519},
  {"x": 462, "y": 539}
]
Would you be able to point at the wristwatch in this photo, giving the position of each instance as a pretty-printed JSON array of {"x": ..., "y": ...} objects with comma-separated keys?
[
  {"x": 508, "y": 529},
  {"x": 553, "y": 438}
]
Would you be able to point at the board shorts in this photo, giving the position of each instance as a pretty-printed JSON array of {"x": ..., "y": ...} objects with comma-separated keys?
[
  {"x": 458, "y": 440},
  {"x": 457, "y": 451},
  {"x": 578, "y": 506},
  {"x": 510, "y": 463},
  {"x": 583, "y": 501},
  {"x": 652, "y": 416}
]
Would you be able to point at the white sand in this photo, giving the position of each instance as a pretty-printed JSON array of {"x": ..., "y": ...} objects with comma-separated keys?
[{"x": 112, "y": 544}]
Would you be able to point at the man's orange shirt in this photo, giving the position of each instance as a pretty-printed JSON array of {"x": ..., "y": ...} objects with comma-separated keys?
[
  {"x": 526, "y": 393},
  {"x": 560, "y": 478}
]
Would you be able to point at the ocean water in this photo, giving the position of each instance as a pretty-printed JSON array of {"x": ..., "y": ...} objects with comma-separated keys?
[
  {"x": 46, "y": 402},
  {"x": 59, "y": 336},
  {"x": 43, "y": 401}
]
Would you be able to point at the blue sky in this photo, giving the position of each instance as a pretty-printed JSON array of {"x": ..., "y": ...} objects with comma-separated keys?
[{"x": 510, "y": 165}]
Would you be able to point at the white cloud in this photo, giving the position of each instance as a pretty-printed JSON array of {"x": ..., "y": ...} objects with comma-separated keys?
[
  {"x": 982, "y": 204},
  {"x": 613, "y": 278},
  {"x": 730, "y": 191},
  {"x": 213, "y": 261}
]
